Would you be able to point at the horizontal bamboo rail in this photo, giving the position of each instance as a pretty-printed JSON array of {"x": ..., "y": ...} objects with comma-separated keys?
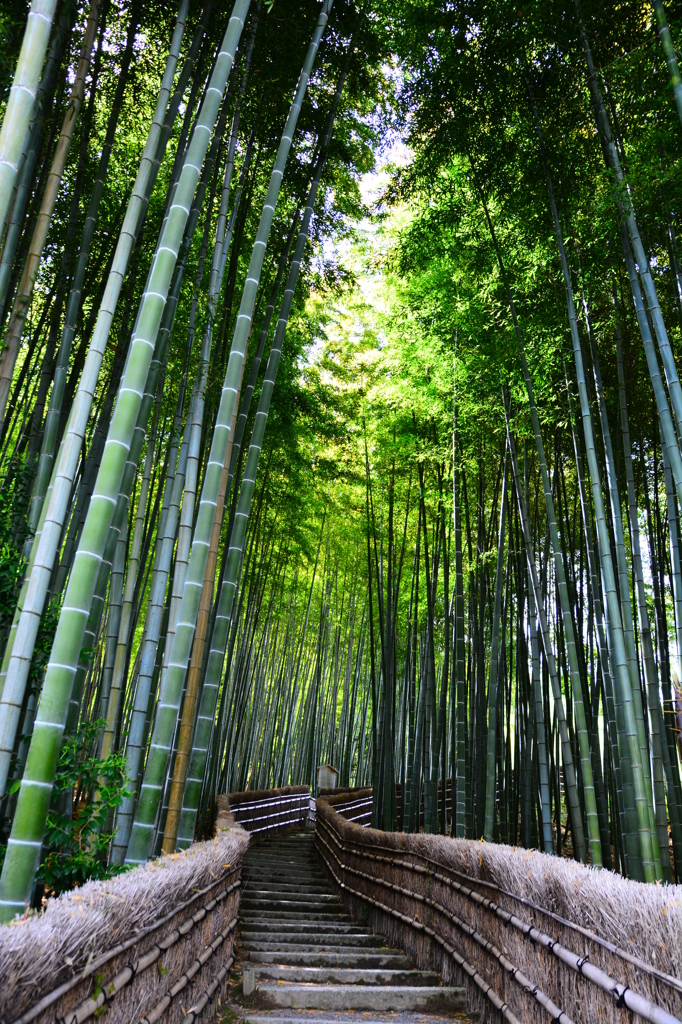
[
  {"x": 172, "y": 968},
  {"x": 268, "y": 810},
  {"x": 346, "y": 808},
  {"x": 409, "y": 893}
]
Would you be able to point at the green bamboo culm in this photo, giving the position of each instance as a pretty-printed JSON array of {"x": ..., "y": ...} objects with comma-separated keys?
[
  {"x": 624, "y": 591},
  {"x": 566, "y": 614},
  {"x": 627, "y": 212},
  {"x": 29, "y": 155},
  {"x": 24, "y": 845},
  {"x": 490, "y": 787},
  {"x": 223, "y": 617},
  {"x": 53, "y": 415},
  {"x": 29, "y": 274},
  {"x": 20, "y": 103},
  {"x": 167, "y": 533},
  {"x": 172, "y": 683},
  {"x": 650, "y": 675},
  {"x": 668, "y": 46},
  {"x": 52, "y": 511},
  {"x": 642, "y": 800},
  {"x": 561, "y": 719}
]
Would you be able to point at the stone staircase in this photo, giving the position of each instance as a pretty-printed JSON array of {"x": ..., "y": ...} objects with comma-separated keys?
[{"x": 302, "y": 955}]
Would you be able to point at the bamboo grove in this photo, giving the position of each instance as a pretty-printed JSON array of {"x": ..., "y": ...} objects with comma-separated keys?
[{"x": 290, "y": 481}]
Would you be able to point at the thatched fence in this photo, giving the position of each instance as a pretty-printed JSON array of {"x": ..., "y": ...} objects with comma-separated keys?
[
  {"x": 262, "y": 810},
  {"x": 352, "y": 804},
  {"x": 152, "y": 945},
  {"x": 357, "y": 802},
  {"x": 533, "y": 938}
]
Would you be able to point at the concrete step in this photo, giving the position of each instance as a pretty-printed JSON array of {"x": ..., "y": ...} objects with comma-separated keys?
[
  {"x": 363, "y": 959},
  {"x": 272, "y": 906},
  {"x": 268, "y": 925},
  {"x": 274, "y": 887},
  {"x": 345, "y": 976},
  {"x": 289, "y": 915},
  {"x": 349, "y": 1017},
  {"x": 304, "y": 897},
  {"x": 381, "y": 998},
  {"x": 256, "y": 946},
  {"x": 307, "y": 961},
  {"x": 270, "y": 879},
  {"x": 300, "y": 938}
]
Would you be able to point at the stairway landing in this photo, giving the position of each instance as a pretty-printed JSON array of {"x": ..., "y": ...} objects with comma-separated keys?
[{"x": 303, "y": 958}]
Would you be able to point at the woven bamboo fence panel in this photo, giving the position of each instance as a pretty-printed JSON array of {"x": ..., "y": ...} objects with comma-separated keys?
[
  {"x": 525, "y": 933},
  {"x": 152, "y": 945},
  {"x": 266, "y": 810}
]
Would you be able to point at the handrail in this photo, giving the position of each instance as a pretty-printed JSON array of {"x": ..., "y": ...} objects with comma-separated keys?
[
  {"x": 95, "y": 965},
  {"x": 624, "y": 995},
  {"x": 277, "y": 809},
  {"x": 651, "y": 969}
]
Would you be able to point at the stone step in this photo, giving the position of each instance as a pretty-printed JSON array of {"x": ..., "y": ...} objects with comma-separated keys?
[
  {"x": 289, "y": 888},
  {"x": 307, "y": 856},
  {"x": 256, "y": 946},
  {"x": 350, "y": 1017},
  {"x": 266, "y": 882},
  {"x": 304, "y": 897},
  {"x": 271, "y": 876},
  {"x": 382, "y": 998},
  {"x": 290, "y": 915},
  {"x": 286, "y": 869},
  {"x": 283, "y": 866},
  {"x": 364, "y": 959},
  {"x": 268, "y": 925},
  {"x": 304, "y": 876},
  {"x": 280, "y": 913},
  {"x": 280, "y": 873},
  {"x": 300, "y": 938},
  {"x": 263, "y": 896},
  {"x": 307, "y": 961},
  {"x": 303, "y": 852},
  {"x": 271, "y": 906},
  {"x": 344, "y": 975}
]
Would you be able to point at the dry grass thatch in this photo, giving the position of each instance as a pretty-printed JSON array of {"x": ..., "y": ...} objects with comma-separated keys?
[
  {"x": 39, "y": 953},
  {"x": 340, "y": 795},
  {"x": 251, "y": 795},
  {"x": 644, "y": 921}
]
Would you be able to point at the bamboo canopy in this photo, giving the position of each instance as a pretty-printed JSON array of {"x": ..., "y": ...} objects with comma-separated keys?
[{"x": 340, "y": 424}]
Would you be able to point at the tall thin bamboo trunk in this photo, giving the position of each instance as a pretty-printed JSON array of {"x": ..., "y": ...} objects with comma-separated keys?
[
  {"x": 21, "y": 99},
  {"x": 54, "y": 508},
  {"x": 36, "y": 787},
  {"x": 169, "y": 701},
  {"x": 27, "y": 282},
  {"x": 490, "y": 779}
]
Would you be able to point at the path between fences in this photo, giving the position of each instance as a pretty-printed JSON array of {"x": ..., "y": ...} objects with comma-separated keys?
[{"x": 328, "y": 919}]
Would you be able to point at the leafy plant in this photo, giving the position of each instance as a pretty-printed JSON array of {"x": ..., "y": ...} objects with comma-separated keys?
[{"x": 87, "y": 789}]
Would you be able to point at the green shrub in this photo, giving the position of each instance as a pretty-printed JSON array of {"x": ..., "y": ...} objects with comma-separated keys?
[{"x": 87, "y": 790}]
